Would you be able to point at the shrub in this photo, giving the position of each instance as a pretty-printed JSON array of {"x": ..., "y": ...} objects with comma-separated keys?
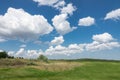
[
  {"x": 3, "y": 54},
  {"x": 31, "y": 63},
  {"x": 11, "y": 57},
  {"x": 43, "y": 58}
]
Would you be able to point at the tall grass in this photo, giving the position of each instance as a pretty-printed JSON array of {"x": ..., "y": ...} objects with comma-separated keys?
[{"x": 90, "y": 70}]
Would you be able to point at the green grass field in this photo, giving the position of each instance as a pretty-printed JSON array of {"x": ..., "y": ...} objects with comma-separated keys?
[{"x": 60, "y": 70}]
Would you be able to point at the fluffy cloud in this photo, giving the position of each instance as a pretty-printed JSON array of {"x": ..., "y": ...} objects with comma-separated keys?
[
  {"x": 98, "y": 44},
  {"x": 46, "y": 2},
  {"x": 59, "y": 50},
  {"x": 115, "y": 15},
  {"x": 87, "y": 21},
  {"x": 18, "y": 24},
  {"x": 69, "y": 9},
  {"x": 102, "y": 42},
  {"x": 71, "y": 49},
  {"x": 30, "y": 54},
  {"x": 60, "y": 21},
  {"x": 61, "y": 24},
  {"x": 105, "y": 37},
  {"x": 58, "y": 4},
  {"x": 21, "y": 52},
  {"x": 57, "y": 40}
]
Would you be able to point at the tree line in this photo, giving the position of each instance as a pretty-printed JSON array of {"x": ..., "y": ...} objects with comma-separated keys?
[{"x": 4, "y": 54}]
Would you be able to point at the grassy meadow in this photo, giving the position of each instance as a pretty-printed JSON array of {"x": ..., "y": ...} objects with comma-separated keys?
[{"x": 21, "y": 69}]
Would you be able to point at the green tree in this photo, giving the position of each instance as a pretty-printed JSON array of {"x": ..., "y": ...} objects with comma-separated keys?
[
  {"x": 3, "y": 54},
  {"x": 43, "y": 58}
]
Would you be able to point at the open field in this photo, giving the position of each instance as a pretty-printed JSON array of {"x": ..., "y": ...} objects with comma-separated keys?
[{"x": 18, "y": 69}]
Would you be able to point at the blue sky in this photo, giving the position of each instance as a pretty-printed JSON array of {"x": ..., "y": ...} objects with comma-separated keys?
[{"x": 60, "y": 28}]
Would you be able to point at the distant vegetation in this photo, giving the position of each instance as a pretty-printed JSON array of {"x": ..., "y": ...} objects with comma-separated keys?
[
  {"x": 43, "y": 58},
  {"x": 3, "y": 54}
]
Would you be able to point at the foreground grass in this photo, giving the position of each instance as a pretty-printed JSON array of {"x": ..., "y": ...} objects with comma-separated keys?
[{"x": 89, "y": 70}]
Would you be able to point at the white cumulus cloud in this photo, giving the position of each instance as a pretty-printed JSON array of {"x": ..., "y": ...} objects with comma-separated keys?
[
  {"x": 71, "y": 49},
  {"x": 58, "y": 4},
  {"x": 61, "y": 24},
  {"x": 102, "y": 42},
  {"x": 97, "y": 44},
  {"x": 57, "y": 40},
  {"x": 69, "y": 9},
  {"x": 18, "y": 24},
  {"x": 115, "y": 15},
  {"x": 29, "y": 54},
  {"x": 105, "y": 37},
  {"x": 87, "y": 21},
  {"x": 46, "y": 2}
]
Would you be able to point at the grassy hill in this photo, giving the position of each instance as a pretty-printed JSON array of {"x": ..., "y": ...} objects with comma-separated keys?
[{"x": 21, "y": 69}]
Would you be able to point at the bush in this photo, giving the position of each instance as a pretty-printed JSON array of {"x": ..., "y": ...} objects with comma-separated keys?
[
  {"x": 43, "y": 58},
  {"x": 3, "y": 54},
  {"x": 11, "y": 57},
  {"x": 31, "y": 63}
]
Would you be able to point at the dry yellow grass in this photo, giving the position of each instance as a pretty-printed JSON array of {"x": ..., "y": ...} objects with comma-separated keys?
[
  {"x": 51, "y": 66},
  {"x": 57, "y": 66}
]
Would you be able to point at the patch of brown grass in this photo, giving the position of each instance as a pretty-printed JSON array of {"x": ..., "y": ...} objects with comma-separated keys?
[
  {"x": 57, "y": 66},
  {"x": 11, "y": 62},
  {"x": 51, "y": 66}
]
